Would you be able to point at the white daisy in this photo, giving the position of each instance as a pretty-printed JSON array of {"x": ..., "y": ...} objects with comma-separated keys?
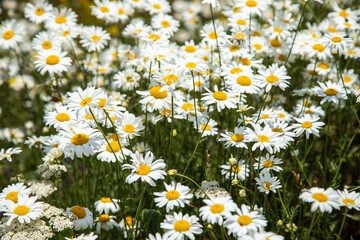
[
  {"x": 11, "y": 33},
  {"x": 7, "y": 154},
  {"x": 130, "y": 126},
  {"x": 13, "y": 191},
  {"x": 307, "y": 124},
  {"x": 209, "y": 127},
  {"x": 106, "y": 222},
  {"x": 274, "y": 76},
  {"x": 91, "y": 236},
  {"x": 239, "y": 171},
  {"x": 322, "y": 199},
  {"x": 269, "y": 162},
  {"x": 263, "y": 137},
  {"x": 60, "y": 117},
  {"x": 107, "y": 205},
  {"x": 222, "y": 99},
  {"x": 266, "y": 183},
  {"x": 94, "y": 38},
  {"x": 331, "y": 92},
  {"x": 217, "y": 209},
  {"x": 38, "y": 12},
  {"x": 349, "y": 199},
  {"x": 52, "y": 61},
  {"x": 83, "y": 217},
  {"x": 234, "y": 139},
  {"x": 107, "y": 152},
  {"x": 179, "y": 226}
]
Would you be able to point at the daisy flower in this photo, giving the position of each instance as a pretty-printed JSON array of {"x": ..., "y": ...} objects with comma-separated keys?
[
  {"x": 234, "y": 139},
  {"x": 46, "y": 41},
  {"x": 145, "y": 168},
  {"x": 127, "y": 80},
  {"x": 107, "y": 152},
  {"x": 239, "y": 171},
  {"x": 266, "y": 183},
  {"x": 349, "y": 199},
  {"x": 274, "y": 76},
  {"x": 127, "y": 225},
  {"x": 107, "y": 205},
  {"x": 130, "y": 126},
  {"x": 209, "y": 126},
  {"x": 265, "y": 236},
  {"x": 83, "y": 217},
  {"x": 331, "y": 92},
  {"x": 245, "y": 221},
  {"x": 61, "y": 18},
  {"x": 222, "y": 99},
  {"x": 318, "y": 49},
  {"x": 157, "y": 97},
  {"x": 210, "y": 36},
  {"x": 61, "y": 117},
  {"x": 157, "y": 6},
  {"x": 307, "y": 124},
  {"x": 6, "y": 154},
  {"x": 38, "y": 12},
  {"x": 156, "y": 237},
  {"x": 322, "y": 199},
  {"x": 165, "y": 23},
  {"x": 244, "y": 83},
  {"x": 239, "y": 22},
  {"x": 24, "y": 210},
  {"x": 82, "y": 100},
  {"x": 94, "y": 38},
  {"x": 256, "y": 7},
  {"x": 13, "y": 191},
  {"x": 179, "y": 226},
  {"x": 79, "y": 141},
  {"x": 122, "y": 11},
  {"x": 285, "y": 131},
  {"x": 11, "y": 33},
  {"x": 192, "y": 64},
  {"x": 337, "y": 41},
  {"x": 52, "y": 61},
  {"x": 91, "y": 236},
  {"x": 106, "y": 222},
  {"x": 216, "y": 209},
  {"x": 103, "y": 9},
  {"x": 263, "y": 137},
  {"x": 269, "y": 162},
  {"x": 175, "y": 195},
  {"x": 233, "y": 49}
]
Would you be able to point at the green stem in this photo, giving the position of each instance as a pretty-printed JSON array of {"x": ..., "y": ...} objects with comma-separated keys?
[{"x": 342, "y": 223}]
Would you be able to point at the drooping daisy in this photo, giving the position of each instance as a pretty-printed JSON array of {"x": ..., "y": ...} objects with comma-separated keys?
[
  {"x": 349, "y": 199},
  {"x": 79, "y": 141},
  {"x": 216, "y": 209},
  {"x": 145, "y": 168},
  {"x": 107, "y": 205},
  {"x": 239, "y": 171},
  {"x": 245, "y": 221},
  {"x": 38, "y": 12},
  {"x": 330, "y": 92},
  {"x": 52, "y": 61},
  {"x": 175, "y": 195},
  {"x": 307, "y": 124},
  {"x": 13, "y": 191},
  {"x": 94, "y": 38},
  {"x": 106, "y": 222},
  {"x": 24, "y": 210},
  {"x": 325, "y": 200},
  {"x": 83, "y": 217},
  {"x": 208, "y": 127},
  {"x": 7, "y": 154},
  {"x": 234, "y": 139},
  {"x": 269, "y": 162},
  {"x": 11, "y": 33},
  {"x": 179, "y": 226},
  {"x": 128, "y": 225},
  {"x": 222, "y": 99},
  {"x": 60, "y": 117},
  {"x": 274, "y": 76},
  {"x": 130, "y": 126},
  {"x": 266, "y": 183}
]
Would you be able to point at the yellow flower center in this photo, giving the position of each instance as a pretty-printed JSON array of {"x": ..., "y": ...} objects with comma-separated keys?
[
  {"x": 191, "y": 65},
  {"x": 62, "y": 117},
  {"x": 323, "y": 66},
  {"x": 332, "y": 29},
  {"x": 87, "y": 116},
  {"x": 265, "y": 116},
  {"x": 46, "y": 45},
  {"x": 309, "y": 111},
  {"x": 154, "y": 37},
  {"x": 271, "y": 79},
  {"x": 129, "y": 128},
  {"x": 95, "y": 38},
  {"x": 240, "y": 36},
  {"x": 243, "y": 80},
  {"x": 251, "y": 3},
  {"x": 237, "y": 137},
  {"x": 85, "y": 101},
  {"x": 188, "y": 107},
  {"x": 129, "y": 220},
  {"x": 155, "y": 92},
  {"x": 235, "y": 70},
  {"x": 263, "y": 138},
  {"x": 207, "y": 127},
  {"x": 121, "y": 11},
  {"x": 114, "y": 145},
  {"x": 79, "y": 139},
  {"x": 257, "y": 46},
  {"x": 39, "y": 12},
  {"x": 217, "y": 208},
  {"x": 234, "y": 48},
  {"x": 213, "y": 35},
  {"x": 143, "y": 170},
  {"x": 350, "y": 52},
  {"x": 241, "y": 22},
  {"x": 101, "y": 102},
  {"x": 343, "y": 14},
  {"x": 278, "y": 30},
  {"x": 256, "y": 34},
  {"x": 13, "y": 196},
  {"x": 104, "y": 9},
  {"x": 165, "y": 24},
  {"x": 170, "y": 79},
  {"x": 306, "y": 124},
  {"x": 266, "y": 185},
  {"x": 320, "y": 197},
  {"x": 244, "y": 220},
  {"x": 52, "y": 60},
  {"x": 157, "y": 6},
  {"x": 318, "y": 47},
  {"x": 347, "y": 24},
  {"x": 348, "y": 201},
  {"x": 336, "y": 39},
  {"x": 60, "y": 20},
  {"x": 199, "y": 84},
  {"x": 190, "y": 49},
  {"x": 221, "y": 96},
  {"x": 279, "y": 130},
  {"x": 181, "y": 226},
  {"x": 104, "y": 218},
  {"x": 331, "y": 92},
  {"x": 347, "y": 79},
  {"x": 172, "y": 195},
  {"x": 21, "y": 210},
  {"x": 105, "y": 200},
  {"x": 245, "y": 61},
  {"x": 275, "y": 43},
  {"x": 166, "y": 113},
  {"x": 268, "y": 164},
  {"x": 65, "y": 33},
  {"x": 78, "y": 211},
  {"x": 281, "y": 115}
]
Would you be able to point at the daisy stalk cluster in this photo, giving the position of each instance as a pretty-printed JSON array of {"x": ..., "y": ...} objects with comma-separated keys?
[{"x": 156, "y": 119}]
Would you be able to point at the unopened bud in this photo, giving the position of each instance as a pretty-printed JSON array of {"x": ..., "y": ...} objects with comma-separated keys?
[
  {"x": 55, "y": 153},
  {"x": 279, "y": 223},
  {"x": 209, "y": 226},
  {"x": 234, "y": 182},
  {"x": 242, "y": 193},
  {"x": 172, "y": 172},
  {"x": 232, "y": 161},
  {"x": 45, "y": 130},
  {"x": 174, "y": 133},
  {"x": 140, "y": 148}
]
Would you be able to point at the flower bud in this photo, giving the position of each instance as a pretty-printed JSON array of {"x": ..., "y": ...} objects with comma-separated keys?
[
  {"x": 209, "y": 226},
  {"x": 279, "y": 223},
  {"x": 234, "y": 182},
  {"x": 174, "y": 133},
  {"x": 242, "y": 193},
  {"x": 172, "y": 172},
  {"x": 232, "y": 161}
]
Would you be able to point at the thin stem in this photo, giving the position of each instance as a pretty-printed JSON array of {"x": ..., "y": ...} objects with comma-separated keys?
[
  {"x": 343, "y": 222},
  {"x": 183, "y": 176}
]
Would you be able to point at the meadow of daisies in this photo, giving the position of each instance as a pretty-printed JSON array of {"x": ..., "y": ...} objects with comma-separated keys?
[{"x": 174, "y": 119}]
